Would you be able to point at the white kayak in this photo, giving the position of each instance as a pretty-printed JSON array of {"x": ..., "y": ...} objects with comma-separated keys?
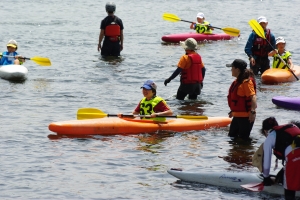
[
  {"x": 13, "y": 72},
  {"x": 226, "y": 179}
]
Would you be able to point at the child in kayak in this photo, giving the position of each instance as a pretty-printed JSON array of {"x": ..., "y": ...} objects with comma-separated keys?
[
  {"x": 11, "y": 57},
  {"x": 281, "y": 52},
  {"x": 201, "y": 26}
]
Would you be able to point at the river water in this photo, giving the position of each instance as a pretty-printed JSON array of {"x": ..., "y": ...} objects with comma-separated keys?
[{"x": 35, "y": 166}]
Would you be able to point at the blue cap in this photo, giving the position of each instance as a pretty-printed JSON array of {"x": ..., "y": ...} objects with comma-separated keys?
[{"x": 149, "y": 84}]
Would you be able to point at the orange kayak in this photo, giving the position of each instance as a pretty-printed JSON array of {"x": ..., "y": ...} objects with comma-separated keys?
[
  {"x": 274, "y": 76},
  {"x": 112, "y": 126}
]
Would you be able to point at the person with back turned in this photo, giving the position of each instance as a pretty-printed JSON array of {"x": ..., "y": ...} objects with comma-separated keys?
[
  {"x": 112, "y": 32},
  {"x": 241, "y": 100},
  {"x": 192, "y": 71},
  {"x": 258, "y": 48}
]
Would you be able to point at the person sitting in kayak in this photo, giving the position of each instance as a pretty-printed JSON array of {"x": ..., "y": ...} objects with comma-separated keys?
[
  {"x": 281, "y": 52},
  {"x": 151, "y": 105},
  {"x": 201, "y": 26},
  {"x": 284, "y": 141},
  {"x": 11, "y": 57},
  {"x": 192, "y": 71}
]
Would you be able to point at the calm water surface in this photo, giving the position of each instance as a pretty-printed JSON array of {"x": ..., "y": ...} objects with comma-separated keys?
[{"x": 34, "y": 166}]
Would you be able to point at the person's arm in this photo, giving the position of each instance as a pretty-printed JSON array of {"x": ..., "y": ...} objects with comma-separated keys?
[
  {"x": 249, "y": 45},
  {"x": 273, "y": 41},
  {"x": 162, "y": 109},
  {"x": 290, "y": 62},
  {"x": 101, "y": 36},
  {"x": 252, "y": 115},
  {"x": 203, "y": 72},
  {"x": 269, "y": 144},
  {"x": 137, "y": 109},
  {"x": 175, "y": 73},
  {"x": 121, "y": 39},
  {"x": 192, "y": 26},
  {"x": 272, "y": 53}
]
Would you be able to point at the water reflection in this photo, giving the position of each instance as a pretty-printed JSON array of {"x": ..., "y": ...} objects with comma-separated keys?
[
  {"x": 151, "y": 142},
  {"x": 240, "y": 154}
]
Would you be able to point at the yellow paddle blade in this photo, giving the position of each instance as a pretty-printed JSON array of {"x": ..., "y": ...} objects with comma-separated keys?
[
  {"x": 191, "y": 117},
  {"x": 90, "y": 113},
  {"x": 171, "y": 17},
  {"x": 258, "y": 29},
  {"x": 41, "y": 61},
  {"x": 231, "y": 31}
]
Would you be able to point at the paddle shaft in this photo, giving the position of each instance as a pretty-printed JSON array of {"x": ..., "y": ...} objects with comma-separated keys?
[
  {"x": 203, "y": 24},
  {"x": 165, "y": 116}
]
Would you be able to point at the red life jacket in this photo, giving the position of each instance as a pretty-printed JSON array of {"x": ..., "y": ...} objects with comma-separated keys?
[
  {"x": 194, "y": 73},
  {"x": 238, "y": 103},
  {"x": 113, "y": 31},
  {"x": 285, "y": 135},
  {"x": 261, "y": 47}
]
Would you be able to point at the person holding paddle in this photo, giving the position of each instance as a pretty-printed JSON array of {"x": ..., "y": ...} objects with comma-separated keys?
[
  {"x": 112, "y": 32},
  {"x": 284, "y": 142},
  {"x": 11, "y": 57},
  {"x": 281, "y": 52},
  {"x": 201, "y": 26},
  {"x": 241, "y": 100},
  {"x": 257, "y": 48},
  {"x": 192, "y": 71},
  {"x": 151, "y": 105}
]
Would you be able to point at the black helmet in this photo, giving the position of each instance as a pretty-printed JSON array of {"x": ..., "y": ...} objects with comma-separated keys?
[{"x": 110, "y": 7}]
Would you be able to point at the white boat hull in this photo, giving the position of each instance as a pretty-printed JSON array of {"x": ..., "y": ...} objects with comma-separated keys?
[
  {"x": 226, "y": 179},
  {"x": 13, "y": 72}
]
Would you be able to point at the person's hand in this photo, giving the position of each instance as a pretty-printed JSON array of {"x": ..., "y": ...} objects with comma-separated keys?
[
  {"x": 120, "y": 115},
  {"x": 230, "y": 114},
  {"x": 99, "y": 46},
  {"x": 252, "y": 61},
  {"x": 252, "y": 117},
  {"x": 121, "y": 47},
  {"x": 268, "y": 181},
  {"x": 167, "y": 81}
]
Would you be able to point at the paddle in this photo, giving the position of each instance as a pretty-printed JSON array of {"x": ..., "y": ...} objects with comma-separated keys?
[
  {"x": 254, "y": 187},
  {"x": 39, "y": 60},
  {"x": 94, "y": 113},
  {"x": 174, "y": 18},
  {"x": 258, "y": 29}
]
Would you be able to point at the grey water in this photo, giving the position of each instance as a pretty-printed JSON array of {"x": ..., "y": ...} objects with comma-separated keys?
[{"x": 34, "y": 166}]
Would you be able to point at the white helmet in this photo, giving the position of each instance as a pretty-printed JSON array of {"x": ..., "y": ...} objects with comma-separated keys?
[
  {"x": 280, "y": 40},
  {"x": 12, "y": 43}
]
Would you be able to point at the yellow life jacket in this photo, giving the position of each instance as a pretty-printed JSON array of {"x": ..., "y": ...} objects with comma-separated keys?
[
  {"x": 147, "y": 107},
  {"x": 277, "y": 62},
  {"x": 203, "y": 28}
]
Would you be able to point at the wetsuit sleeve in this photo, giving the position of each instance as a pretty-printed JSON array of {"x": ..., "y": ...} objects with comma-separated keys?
[
  {"x": 273, "y": 41},
  {"x": 269, "y": 144},
  {"x": 249, "y": 44},
  {"x": 203, "y": 72},
  {"x": 161, "y": 107},
  {"x": 175, "y": 73}
]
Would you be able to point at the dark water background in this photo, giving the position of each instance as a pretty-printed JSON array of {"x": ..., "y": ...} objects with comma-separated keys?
[{"x": 32, "y": 166}]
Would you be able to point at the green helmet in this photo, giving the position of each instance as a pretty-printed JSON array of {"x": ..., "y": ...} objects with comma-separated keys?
[{"x": 110, "y": 7}]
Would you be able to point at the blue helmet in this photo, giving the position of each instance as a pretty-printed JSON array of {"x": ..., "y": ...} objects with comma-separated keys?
[{"x": 110, "y": 7}]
